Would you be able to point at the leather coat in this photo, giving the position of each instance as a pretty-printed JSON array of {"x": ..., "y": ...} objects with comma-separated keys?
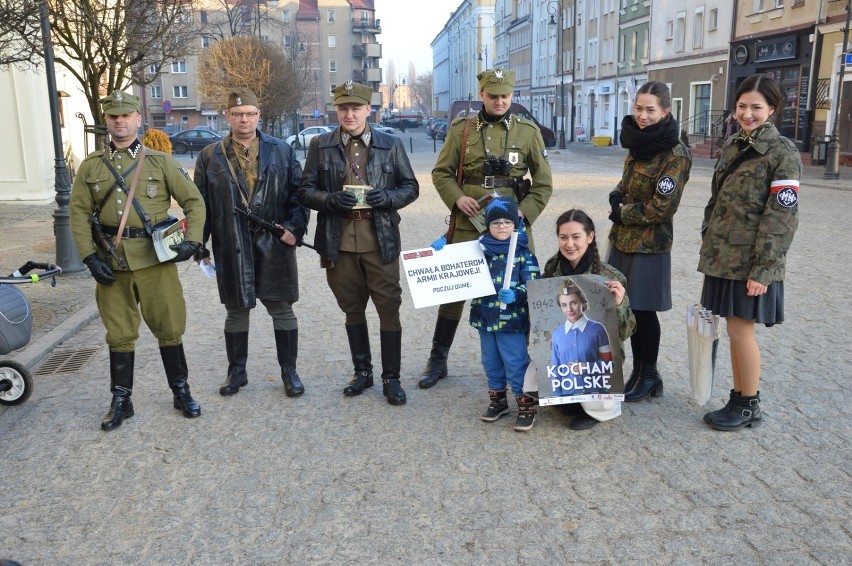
[
  {"x": 253, "y": 264},
  {"x": 388, "y": 168}
]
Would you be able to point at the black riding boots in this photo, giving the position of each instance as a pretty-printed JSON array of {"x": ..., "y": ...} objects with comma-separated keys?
[
  {"x": 391, "y": 364},
  {"x": 359, "y": 346},
  {"x": 236, "y": 347},
  {"x": 174, "y": 362},
  {"x": 436, "y": 367},
  {"x": 121, "y": 386},
  {"x": 287, "y": 345}
]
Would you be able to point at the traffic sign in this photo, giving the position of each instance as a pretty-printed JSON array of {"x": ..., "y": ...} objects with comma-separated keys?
[
  {"x": 316, "y": 113},
  {"x": 849, "y": 58},
  {"x": 167, "y": 106}
]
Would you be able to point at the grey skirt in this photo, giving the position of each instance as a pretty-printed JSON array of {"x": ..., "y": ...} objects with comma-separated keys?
[
  {"x": 649, "y": 279},
  {"x": 727, "y": 297}
]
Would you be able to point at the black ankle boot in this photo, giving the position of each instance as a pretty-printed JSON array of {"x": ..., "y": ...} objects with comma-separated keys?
[
  {"x": 121, "y": 386},
  {"x": 174, "y": 362},
  {"x": 391, "y": 363},
  {"x": 650, "y": 382},
  {"x": 436, "y": 367},
  {"x": 498, "y": 406},
  {"x": 236, "y": 347},
  {"x": 287, "y": 344},
  {"x": 634, "y": 376},
  {"x": 712, "y": 415},
  {"x": 359, "y": 346},
  {"x": 745, "y": 411}
]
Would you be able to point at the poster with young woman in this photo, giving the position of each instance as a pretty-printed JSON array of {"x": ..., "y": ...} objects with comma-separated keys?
[{"x": 574, "y": 340}]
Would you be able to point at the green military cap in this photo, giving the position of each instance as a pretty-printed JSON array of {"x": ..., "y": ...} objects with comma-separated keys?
[
  {"x": 352, "y": 93},
  {"x": 119, "y": 103},
  {"x": 242, "y": 97},
  {"x": 497, "y": 81}
]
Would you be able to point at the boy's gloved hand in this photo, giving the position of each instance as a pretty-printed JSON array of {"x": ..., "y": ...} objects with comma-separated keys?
[
  {"x": 439, "y": 244},
  {"x": 506, "y": 296}
]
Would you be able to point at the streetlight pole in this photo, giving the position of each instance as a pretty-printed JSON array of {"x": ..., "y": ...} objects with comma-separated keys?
[
  {"x": 832, "y": 162},
  {"x": 67, "y": 256},
  {"x": 552, "y": 6}
]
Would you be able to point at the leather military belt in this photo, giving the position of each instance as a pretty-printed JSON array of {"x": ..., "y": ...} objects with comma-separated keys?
[
  {"x": 360, "y": 214},
  {"x": 129, "y": 232},
  {"x": 491, "y": 182}
]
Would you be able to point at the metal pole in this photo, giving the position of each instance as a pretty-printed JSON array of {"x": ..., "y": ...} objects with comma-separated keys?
[
  {"x": 832, "y": 161},
  {"x": 67, "y": 256},
  {"x": 561, "y": 78}
]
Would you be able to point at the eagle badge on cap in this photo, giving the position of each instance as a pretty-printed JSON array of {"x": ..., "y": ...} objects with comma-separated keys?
[
  {"x": 118, "y": 96},
  {"x": 498, "y": 74},
  {"x": 239, "y": 101},
  {"x": 348, "y": 87}
]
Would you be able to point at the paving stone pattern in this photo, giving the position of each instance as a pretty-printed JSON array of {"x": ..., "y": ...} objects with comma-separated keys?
[{"x": 262, "y": 479}]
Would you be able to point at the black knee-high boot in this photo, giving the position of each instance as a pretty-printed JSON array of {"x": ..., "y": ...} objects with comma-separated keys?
[
  {"x": 359, "y": 346},
  {"x": 436, "y": 367},
  {"x": 236, "y": 347},
  {"x": 121, "y": 386},
  {"x": 391, "y": 364},
  {"x": 174, "y": 362},
  {"x": 287, "y": 344}
]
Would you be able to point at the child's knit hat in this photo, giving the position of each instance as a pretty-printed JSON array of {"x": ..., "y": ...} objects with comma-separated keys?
[{"x": 503, "y": 207}]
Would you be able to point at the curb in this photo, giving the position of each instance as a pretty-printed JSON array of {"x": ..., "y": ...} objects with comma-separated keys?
[{"x": 35, "y": 352}]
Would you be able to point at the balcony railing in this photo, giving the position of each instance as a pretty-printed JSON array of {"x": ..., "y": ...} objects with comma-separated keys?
[{"x": 367, "y": 24}]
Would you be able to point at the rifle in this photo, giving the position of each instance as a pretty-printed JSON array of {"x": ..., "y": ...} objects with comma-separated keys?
[
  {"x": 460, "y": 172},
  {"x": 267, "y": 226}
]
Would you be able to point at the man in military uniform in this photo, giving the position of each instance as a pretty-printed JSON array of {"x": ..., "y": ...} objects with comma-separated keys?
[
  {"x": 358, "y": 238},
  {"x": 499, "y": 149},
  {"x": 113, "y": 235},
  {"x": 252, "y": 171}
]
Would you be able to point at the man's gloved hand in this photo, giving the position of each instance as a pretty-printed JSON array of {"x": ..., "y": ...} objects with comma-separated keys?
[
  {"x": 185, "y": 250},
  {"x": 615, "y": 216},
  {"x": 100, "y": 270},
  {"x": 340, "y": 200},
  {"x": 506, "y": 296},
  {"x": 616, "y": 200},
  {"x": 439, "y": 244},
  {"x": 202, "y": 254},
  {"x": 378, "y": 198}
]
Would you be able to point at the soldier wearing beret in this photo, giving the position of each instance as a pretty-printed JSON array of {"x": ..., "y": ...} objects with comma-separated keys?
[
  {"x": 252, "y": 171},
  {"x": 113, "y": 234},
  {"x": 500, "y": 149},
  {"x": 359, "y": 240}
]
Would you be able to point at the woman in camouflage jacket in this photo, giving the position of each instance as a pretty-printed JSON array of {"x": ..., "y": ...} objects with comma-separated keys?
[{"x": 748, "y": 226}]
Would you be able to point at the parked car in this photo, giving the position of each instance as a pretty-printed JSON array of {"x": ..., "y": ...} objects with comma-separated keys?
[
  {"x": 384, "y": 129},
  {"x": 441, "y": 131},
  {"x": 195, "y": 139},
  {"x": 305, "y": 136},
  {"x": 430, "y": 130}
]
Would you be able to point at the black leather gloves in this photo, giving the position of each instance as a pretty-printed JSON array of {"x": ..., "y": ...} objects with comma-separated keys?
[
  {"x": 340, "y": 200},
  {"x": 615, "y": 216},
  {"x": 616, "y": 200},
  {"x": 185, "y": 250},
  {"x": 378, "y": 198},
  {"x": 202, "y": 253},
  {"x": 100, "y": 270}
]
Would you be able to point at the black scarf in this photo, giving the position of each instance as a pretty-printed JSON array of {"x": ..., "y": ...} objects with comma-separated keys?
[
  {"x": 486, "y": 117},
  {"x": 645, "y": 144},
  {"x": 583, "y": 266}
]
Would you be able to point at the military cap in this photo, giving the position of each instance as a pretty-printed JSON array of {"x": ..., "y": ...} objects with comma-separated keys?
[
  {"x": 242, "y": 97},
  {"x": 352, "y": 93},
  {"x": 119, "y": 103},
  {"x": 497, "y": 81}
]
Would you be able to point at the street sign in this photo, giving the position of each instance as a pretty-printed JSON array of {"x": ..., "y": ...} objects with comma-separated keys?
[
  {"x": 167, "y": 106},
  {"x": 316, "y": 113},
  {"x": 849, "y": 58}
]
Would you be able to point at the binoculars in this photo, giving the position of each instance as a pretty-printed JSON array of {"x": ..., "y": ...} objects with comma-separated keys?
[{"x": 494, "y": 166}]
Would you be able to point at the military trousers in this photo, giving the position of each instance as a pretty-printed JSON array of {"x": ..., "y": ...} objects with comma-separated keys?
[
  {"x": 283, "y": 317},
  {"x": 357, "y": 277},
  {"x": 154, "y": 291}
]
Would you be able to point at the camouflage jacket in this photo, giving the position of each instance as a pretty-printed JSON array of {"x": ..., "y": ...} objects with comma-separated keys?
[
  {"x": 651, "y": 191},
  {"x": 753, "y": 211}
]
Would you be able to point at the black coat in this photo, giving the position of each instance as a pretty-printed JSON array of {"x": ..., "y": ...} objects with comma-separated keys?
[
  {"x": 253, "y": 265},
  {"x": 388, "y": 168}
]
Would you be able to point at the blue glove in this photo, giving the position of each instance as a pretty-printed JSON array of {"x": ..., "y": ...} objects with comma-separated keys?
[
  {"x": 439, "y": 244},
  {"x": 506, "y": 296}
]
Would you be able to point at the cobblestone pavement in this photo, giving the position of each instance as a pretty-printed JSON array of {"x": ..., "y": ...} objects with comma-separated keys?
[{"x": 263, "y": 479}]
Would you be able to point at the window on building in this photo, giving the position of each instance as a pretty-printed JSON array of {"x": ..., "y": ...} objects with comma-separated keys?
[
  {"x": 331, "y": 88},
  {"x": 332, "y": 66},
  {"x": 329, "y": 16},
  {"x": 670, "y": 30},
  {"x": 156, "y": 91},
  {"x": 777, "y": 3},
  {"x": 206, "y": 40},
  {"x": 153, "y": 69},
  {"x": 698, "y": 29},
  {"x": 202, "y": 15},
  {"x": 758, "y": 6},
  {"x": 713, "y": 19},
  {"x": 180, "y": 91},
  {"x": 680, "y": 31},
  {"x": 634, "y": 45},
  {"x": 646, "y": 46},
  {"x": 285, "y": 16},
  {"x": 332, "y": 41},
  {"x": 178, "y": 66}
]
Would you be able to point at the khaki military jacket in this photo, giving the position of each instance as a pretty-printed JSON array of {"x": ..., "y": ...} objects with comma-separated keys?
[
  {"x": 514, "y": 138},
  {"x": 753, "y": 211},
  {"x": 652, "y": 191},
  {"x": 161, "y": 179}
]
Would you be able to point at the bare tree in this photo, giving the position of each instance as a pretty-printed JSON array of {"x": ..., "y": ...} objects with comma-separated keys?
[
  {"x": 421, "y": 91},
  {"x": 230, "y": 18},
  {"x": 106, "y": 45},
  {"x": 247, "y": 61}
]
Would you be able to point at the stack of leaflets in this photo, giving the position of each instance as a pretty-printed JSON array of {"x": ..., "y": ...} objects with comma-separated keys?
[{"x": 167, "y": 233}]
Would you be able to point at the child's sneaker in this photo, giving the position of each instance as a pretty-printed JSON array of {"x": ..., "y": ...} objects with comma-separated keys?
[
  {"x": 499, "y": 406},
  {"x": 526, "y": 413}
]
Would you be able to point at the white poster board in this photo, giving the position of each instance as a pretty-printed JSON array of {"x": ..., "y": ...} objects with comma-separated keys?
[
  {"x": 564, "y": 378},
  {"x": 456, "y": 273}
]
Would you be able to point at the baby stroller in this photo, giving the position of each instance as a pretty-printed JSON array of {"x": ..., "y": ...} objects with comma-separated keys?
[{"x": 16, "y": 326}]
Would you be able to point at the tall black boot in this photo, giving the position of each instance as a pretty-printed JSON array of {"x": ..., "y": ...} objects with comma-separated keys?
[
  {"x": 236, "y": 346},
  {"x": 121, "y": 386},
  {"x": 287, "y": 344},
  {"x": 745, "y": 411},
  {"x": 436, "y": 367},
  {"x": 650, "y": 382},
  {"x": 362, "y": 360},
  {"x": 174, "y": 362},
  {"x": 391, "y": 364}
]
